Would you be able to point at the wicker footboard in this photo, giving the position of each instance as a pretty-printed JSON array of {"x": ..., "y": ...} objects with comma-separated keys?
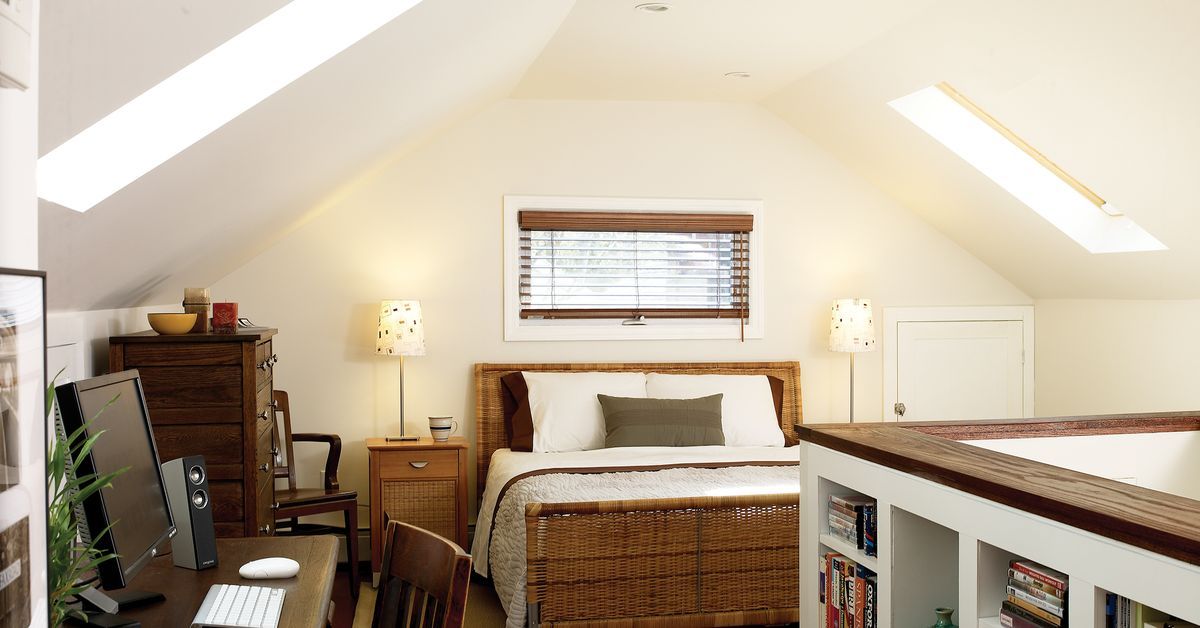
[{"x": 705, "y": 561}]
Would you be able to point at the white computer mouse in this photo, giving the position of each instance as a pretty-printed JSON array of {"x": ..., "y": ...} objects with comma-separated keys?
[{"x": 274, "y": 567}]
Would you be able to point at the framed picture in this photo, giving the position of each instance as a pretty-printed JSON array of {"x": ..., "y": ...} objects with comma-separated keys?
[{"x": 23, "y": 597}]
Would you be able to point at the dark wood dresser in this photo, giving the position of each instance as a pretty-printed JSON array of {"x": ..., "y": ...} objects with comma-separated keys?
[{"x": 210, "y": 394}]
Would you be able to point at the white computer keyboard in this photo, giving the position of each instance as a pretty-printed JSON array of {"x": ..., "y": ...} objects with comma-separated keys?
[{"x": 237, "y": 606}]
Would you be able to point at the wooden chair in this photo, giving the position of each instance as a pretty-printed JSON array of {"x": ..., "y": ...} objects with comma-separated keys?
[
  {"x": 423, "y": 582},
  {"x": 294, "y": 502}
]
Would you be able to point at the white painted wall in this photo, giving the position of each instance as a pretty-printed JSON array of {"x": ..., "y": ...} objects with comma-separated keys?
[
  {"x": 78, "y": 341},
  {"x": 18, "y": 164},
  {"x": 428, "y": 227},
  {"x": 1110, "y": 356},
  {"x": 18, "y": 249},
  {"x": 1168, "y": 461}
]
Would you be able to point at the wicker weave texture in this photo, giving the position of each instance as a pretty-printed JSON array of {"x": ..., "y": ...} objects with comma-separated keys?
[
  {"x": 660, "y": 558},
  {"x": 428, "y": 504},
  {"x": 489, "y": 394}
]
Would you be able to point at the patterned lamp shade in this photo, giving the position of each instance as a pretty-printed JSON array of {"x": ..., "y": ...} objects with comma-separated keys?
[
  {"x": 852, "y": 326},
  {"x": 401, "y": 329}
]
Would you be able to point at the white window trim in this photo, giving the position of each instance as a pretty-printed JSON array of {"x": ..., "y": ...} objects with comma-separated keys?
[{"x": 517, "y": 329}]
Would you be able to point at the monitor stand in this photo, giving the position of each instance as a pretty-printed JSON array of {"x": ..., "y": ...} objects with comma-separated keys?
[{"x": 101, "y": 607}]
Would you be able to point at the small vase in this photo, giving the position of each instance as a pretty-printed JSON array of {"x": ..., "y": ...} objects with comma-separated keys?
[{"x": 944, "y": 618}]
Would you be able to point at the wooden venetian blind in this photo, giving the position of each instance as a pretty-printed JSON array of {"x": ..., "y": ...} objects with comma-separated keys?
[{"x": 630, "y": 264}]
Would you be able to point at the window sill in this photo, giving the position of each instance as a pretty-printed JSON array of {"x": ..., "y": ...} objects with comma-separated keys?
[{"x": 613, "y": 330}]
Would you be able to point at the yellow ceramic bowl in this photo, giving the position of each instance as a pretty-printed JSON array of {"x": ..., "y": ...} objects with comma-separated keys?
[{"x": 172, "y": 324}]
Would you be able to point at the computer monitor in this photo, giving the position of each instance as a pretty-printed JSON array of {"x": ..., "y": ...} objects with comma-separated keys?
[{"x": 136, "y": 504}]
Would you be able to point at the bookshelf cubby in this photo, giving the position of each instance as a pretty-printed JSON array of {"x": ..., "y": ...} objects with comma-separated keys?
[{"x": 924, "y": 568}]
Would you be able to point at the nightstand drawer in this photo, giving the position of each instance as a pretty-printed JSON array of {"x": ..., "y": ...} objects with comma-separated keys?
[{"x": 418, "y": 465}]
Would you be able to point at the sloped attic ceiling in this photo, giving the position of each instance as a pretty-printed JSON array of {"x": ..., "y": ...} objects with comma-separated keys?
[
  {"x": 1106, "y": 89},
  {"x": 211, "y": 208}
]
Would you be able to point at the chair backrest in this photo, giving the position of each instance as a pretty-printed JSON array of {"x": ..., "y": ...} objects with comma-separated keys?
[
  {"x": 282, "y": 438},
  {"x": 423, "y": 582}
]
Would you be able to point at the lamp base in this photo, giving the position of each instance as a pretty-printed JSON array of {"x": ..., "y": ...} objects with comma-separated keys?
[{"x": 402, "y": 437}]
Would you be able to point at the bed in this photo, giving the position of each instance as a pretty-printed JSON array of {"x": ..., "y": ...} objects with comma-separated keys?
[{"x": 642, "y": 548}]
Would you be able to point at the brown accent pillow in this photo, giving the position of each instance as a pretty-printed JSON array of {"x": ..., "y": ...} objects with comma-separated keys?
[
  {"x": 640, "y": 422},
  {"x": 518, "y": 420},
  {"x": 777, "y": 396}
]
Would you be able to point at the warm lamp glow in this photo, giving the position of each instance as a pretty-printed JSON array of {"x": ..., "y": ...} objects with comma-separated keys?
[
  {"x": 401, "y": 329},
  {"x": 852, "y": 326}
]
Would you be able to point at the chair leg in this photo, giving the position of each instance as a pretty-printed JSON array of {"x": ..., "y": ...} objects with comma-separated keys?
[{"x": 352, "y": 547}]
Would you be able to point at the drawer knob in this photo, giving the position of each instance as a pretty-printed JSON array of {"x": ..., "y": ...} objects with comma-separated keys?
[
  {"x": 264, "y": 529},
  {"x": 264, "y": 467},
  {"x": 418, "y": 464},
  {"x": 274, "y": 359},
  {"x": 274, "y": 451},
  {"x": 275, "y": 506},
  {"x": 263, "y": 415},
  {"x": 264, "y": 365}
]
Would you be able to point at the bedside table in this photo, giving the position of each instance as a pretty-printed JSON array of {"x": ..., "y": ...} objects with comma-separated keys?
[{"x": 419, "y": 482}]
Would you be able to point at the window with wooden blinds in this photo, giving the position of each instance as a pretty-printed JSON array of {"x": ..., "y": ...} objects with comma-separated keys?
[{"x": 626, "y": 265}]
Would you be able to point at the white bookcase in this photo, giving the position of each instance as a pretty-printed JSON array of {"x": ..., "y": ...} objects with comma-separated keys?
[{"x": 939, "y": 546}]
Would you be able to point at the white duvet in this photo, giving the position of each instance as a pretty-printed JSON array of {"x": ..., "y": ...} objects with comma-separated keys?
[{"x": 501, "y": 554}]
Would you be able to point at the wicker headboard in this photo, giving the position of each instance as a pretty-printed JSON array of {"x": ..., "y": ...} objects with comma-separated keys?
[{"x": 489, "y": 394}]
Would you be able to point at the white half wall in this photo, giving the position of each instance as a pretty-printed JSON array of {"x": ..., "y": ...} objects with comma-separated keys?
[
  {"x": 1112, "y": 356},
  {"x": 77, "y": 342},
  {"x": 428, "y": 227}
]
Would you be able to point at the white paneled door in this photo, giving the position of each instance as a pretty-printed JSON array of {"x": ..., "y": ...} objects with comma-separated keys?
[{"x": 957, "y": 368}]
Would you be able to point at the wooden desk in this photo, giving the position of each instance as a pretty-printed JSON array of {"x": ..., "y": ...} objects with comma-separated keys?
[{"x": 305, "y": 605}]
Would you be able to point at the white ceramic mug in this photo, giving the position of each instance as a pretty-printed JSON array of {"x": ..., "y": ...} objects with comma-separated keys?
[{"x": 441, "y": 427}]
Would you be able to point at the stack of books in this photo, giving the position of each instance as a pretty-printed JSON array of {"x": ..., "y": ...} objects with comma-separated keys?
[
  {"x": 852, "y": 519},
  {"x": 1037, "y": 597},
  {"x": 1122, "y": 612},
  {"x": 849, "y": 593}
]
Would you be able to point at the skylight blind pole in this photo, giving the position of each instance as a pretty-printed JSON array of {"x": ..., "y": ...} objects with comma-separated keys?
[{"x": 1029, "y": 150}]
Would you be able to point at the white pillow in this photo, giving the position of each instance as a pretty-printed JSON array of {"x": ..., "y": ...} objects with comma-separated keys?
[
  {"x": 566, "y": 413},
  {"x": 747, "y": 409}
]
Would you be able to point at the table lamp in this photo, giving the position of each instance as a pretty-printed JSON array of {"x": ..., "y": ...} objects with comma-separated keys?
[
  {"x": 401, "y": 332},
  {"x": 852, "y": 330}
]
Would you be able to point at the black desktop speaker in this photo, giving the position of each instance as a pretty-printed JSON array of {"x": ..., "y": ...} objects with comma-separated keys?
[{"x": 195, "y": 544}]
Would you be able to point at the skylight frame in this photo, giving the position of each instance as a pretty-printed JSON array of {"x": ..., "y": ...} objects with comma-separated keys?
[
  {"x": 205, "y": 95},
  {"x": 1023, "y": 171}
]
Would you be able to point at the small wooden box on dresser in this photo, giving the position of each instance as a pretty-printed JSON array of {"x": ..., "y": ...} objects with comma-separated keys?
[
  {"x": 210, "y": 394},
  {"x": 420, "y": 482}
]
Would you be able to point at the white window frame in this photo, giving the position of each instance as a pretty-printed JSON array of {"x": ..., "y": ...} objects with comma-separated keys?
[{"x": 518, "y": 329}]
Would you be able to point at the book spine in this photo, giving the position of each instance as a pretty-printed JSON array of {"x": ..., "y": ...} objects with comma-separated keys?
[
  {"x": 843, "y": 501},
  {"x": 833, "y": 603},
  {"x": 860, "y": 600},
  {"x": 845, "y": 510},
  {"x": 836, "y": 522},
  {"x": 1013, "y": 620},
  {"x": 839, "y": 517},
  {"x": 867, "y": 530},
  {"x": 1035, "y": 611},
  {"x": 1033, "y": 583},
  {"x": 1031, "y": 571},
  {"x": 1018, "y": 612},
  {"x": 1057, "y": 609},
  {"x": 870, "y": 615},
  {"x": 821, "y": 582}
]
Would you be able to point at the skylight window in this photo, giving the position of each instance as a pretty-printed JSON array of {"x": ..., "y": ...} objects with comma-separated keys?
[
  {"x": 1025, "y": 173},
  {"x": 202, "y": 97}
]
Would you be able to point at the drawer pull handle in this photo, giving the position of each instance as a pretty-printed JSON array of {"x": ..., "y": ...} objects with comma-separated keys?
[
  {"x": 264, "y": 467},
  {"x": 263, "y": 415},
  {"x": 264, "y": 365},
  {"x": 273, "y": 360},
  {"x": 418, "y": 464}
]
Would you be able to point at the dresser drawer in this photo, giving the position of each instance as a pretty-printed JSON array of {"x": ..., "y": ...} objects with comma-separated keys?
[
  {"x": 264, "y": 412},
  {"x": 183, "y": 354},
  {"x": 419, "y": 465},
  {"x": 264, "y": 468}
]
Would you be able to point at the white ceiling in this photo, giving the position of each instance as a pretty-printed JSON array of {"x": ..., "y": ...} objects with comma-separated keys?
[
  {"x": 607, "y": 50},
  {"x": 1106, "y": 88},
  {"x": 214, "y": 206}
]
